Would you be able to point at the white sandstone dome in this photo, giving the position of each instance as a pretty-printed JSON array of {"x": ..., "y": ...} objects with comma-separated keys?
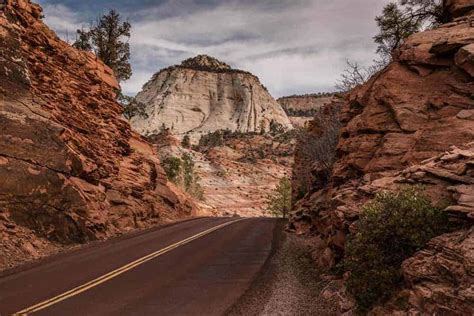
[{"x": 203, "y": 95}]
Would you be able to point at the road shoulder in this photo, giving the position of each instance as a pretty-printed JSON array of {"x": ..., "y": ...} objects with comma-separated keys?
[{"x": 289, "y": 283}]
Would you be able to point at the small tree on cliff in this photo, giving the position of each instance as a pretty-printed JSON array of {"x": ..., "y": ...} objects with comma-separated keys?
[
  {"x": 398, "y": 21},
  {"x": 108, "y": 39},
  {"x": 131, "y": 107},
  {"x": 279, "y": 201}
]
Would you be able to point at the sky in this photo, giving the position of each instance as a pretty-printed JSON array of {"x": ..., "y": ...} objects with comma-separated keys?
[{"x": 293, "y": 46}]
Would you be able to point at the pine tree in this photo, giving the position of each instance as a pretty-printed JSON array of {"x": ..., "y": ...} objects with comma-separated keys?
[
  {"x": 279, "y": 201},
  {"x": 398, "y": 21},
  {"x": 106, "y": 38}
]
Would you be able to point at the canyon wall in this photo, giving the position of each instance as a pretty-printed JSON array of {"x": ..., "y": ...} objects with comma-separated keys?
[
  {"x": 203, "y": 95},
  {"x": 412, "y": 123},
  {"x": 71, "y": 169}
]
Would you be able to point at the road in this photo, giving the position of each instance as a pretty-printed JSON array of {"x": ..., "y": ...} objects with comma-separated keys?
[{"x": 183, "y": 269}]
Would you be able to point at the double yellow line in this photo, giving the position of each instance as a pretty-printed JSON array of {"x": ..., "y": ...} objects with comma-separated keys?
[{"x": 86, "y": 286}]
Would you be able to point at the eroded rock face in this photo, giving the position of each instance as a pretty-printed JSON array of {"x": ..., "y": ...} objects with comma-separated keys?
[
  {"x": 236, "y": 176},
  {"x": 301, "y": 108},
  {"x": 203, "y": 95},
  {"x": 411, "y": 123},
  {"x": 71, "y": 169},
  {"x": 440, "y": 277}
]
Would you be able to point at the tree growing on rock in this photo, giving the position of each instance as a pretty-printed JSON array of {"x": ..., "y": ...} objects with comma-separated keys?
[
  {"x": 108, "y": 39},
  {"x": 398, "y": 21},
  {"x": 355, "y": 75},
  {"x": 279, "y": 201},
  {"x": 131, "y": 106}
]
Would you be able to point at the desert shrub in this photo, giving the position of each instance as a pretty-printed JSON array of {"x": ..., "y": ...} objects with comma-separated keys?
[
  {"x": 279, "y": 200},
  {"x": 181, "y": 172},
  {"x": 390, "y": 229},
  {"x": 172, "y": 167},
  {"x": 276, "y": 128},
  {"x": 212, "y": 139},
  {"x": 190, "y": 178},
  {"x": 186, "y": 141},
  {"x": 222, "y": 173},
  {"x": 131, "y": 107}
]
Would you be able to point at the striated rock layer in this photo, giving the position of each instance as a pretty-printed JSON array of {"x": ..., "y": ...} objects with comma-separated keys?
[
  {"x": 411, "y": 123},
  {"x": 237, "y": 175},
  {"x": 301, "y": 108},
  {"x": 71, "y": 169},
  {"x": 203, "y": 95}
]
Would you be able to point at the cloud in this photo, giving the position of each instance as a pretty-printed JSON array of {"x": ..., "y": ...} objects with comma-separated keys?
[
  {"x": 293, "y": 46},
  {"x": 62, "y": 20}
]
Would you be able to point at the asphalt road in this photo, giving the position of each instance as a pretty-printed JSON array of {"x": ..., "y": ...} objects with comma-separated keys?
[{"x": 184, "y": 269}]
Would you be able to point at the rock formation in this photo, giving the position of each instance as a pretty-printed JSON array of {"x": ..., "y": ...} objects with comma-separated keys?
[
  {"x": 301, "y": 108},
  {"x": 71, "y": 169},
  {"x": 413, "y": 122},
  {"x": 203, "y": 95},
  {"x": 237, "y": 175}
]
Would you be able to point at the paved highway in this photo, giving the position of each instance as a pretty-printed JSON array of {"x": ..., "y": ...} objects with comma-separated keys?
[{"x": 197, "y": 267}]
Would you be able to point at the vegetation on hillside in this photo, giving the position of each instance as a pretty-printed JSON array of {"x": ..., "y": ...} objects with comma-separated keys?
[
  {"x": 186, "y": 141},
  {"x": 181, "y": 172},
  {"x": 131, "y": 107},
  {"x": 279, "y": 200},
  {"x": 390, "y": 229}
]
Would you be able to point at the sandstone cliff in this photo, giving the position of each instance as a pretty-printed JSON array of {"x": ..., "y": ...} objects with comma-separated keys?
[
  {"x": 203, "y": 95},
  {"x": 237, "y": 174},
  {"x": 411, "y": 123},
  {"x": 301, "y": 108},
  {"x": 71, "y": 169}
]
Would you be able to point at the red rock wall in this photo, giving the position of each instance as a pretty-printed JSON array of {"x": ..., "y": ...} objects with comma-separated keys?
[
  {"x": 71, "y": 169},
  {"x": 411, "y": 123}
]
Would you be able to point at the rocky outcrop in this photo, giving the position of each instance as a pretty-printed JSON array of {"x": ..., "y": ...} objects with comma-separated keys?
[
  {"x": 439, "y": 278},
  {"x": 203, "y": 95},
  {"x": 411, "y": 123},
  {"x": 237, "y": 174},
  {"x": 306, "y": 102},
  {"x": 301, "y": 108},
  {"x": 71, "y": 169}
]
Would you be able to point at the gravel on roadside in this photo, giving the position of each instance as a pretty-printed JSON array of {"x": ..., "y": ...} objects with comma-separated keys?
[{"x": 289, "y": 283}]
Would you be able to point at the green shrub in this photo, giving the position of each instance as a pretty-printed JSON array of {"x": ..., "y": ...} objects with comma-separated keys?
[
  {"x": 390, "y": 229},
  {"x": 190, "y": 178},
  {"x": 172, "y": 167},
  {"x": 186, "y": 141}
]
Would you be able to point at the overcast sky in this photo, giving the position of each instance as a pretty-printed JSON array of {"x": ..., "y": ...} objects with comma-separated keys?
[{"x": 293, "y": 46}]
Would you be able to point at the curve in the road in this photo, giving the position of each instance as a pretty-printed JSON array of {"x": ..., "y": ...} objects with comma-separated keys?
[{"x": 117, "y": 272}]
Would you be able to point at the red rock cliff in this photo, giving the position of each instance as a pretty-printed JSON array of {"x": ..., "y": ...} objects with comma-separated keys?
[
  {"x": 71, "y": 169},
  {"x": 411, "y": 123}
]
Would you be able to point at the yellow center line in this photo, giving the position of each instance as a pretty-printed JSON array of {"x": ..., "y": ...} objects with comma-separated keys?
[{"x": 86, "y": 286}]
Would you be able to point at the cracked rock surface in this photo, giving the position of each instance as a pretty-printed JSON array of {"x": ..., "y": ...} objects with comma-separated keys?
[{"x": 71, "y": 169}]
